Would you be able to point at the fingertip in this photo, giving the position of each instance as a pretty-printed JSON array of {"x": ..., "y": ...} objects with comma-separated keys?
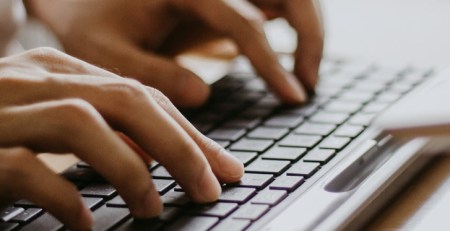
[
  {"x": 86, "y": 221},
  {"x": 293, "y": 93},
  {"x": 231, "y": 168},
  {"x": 208, "y": 189},
  {"x": 192, "y": 91}
]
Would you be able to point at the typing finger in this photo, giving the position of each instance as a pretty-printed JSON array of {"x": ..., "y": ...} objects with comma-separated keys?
[
  {"x": 73, "y": 125},
  {"x": 24, "y": 176}
]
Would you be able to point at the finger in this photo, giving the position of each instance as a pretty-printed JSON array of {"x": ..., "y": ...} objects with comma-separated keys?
[
  {"x": 182, "y": 86},
  {"x": 244, "y": 23},
  {"x": 225, "y": 166},
  {"x": 305, "y": 17},
  {"x": 73, "y": 125},
  {"x": 26, "y": 177},
  {"x": 141, "y": 119}
]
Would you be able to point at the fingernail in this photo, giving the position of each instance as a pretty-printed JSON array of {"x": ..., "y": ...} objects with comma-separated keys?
[
  {"x": 230, "y": 165},
  {"x": 208, "y": 186}
]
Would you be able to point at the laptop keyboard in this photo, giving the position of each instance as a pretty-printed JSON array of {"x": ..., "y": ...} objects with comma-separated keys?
[{"x": 281, "y": 147}]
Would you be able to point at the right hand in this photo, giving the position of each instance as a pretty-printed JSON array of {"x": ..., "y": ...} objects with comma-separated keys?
[{"x": 51, "y": 102}]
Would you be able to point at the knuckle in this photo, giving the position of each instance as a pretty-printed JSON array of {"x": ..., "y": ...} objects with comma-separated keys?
[
  {"x": 75, "y": 114},
  {"x": 44, "y": 52}
]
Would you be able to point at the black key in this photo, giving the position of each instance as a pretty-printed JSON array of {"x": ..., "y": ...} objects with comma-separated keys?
[
  {"x": 305, "y": 141},
  {"x": 319, "y": 155},
  {"x": 232, "y": 224},
  {"x": 285, "y": 121},
  {"x": 8, "y": 226},
  {"x": 347, "y": 130},
  {"x": 175, "y": 198},
  {"x": 267, "y": 166},
  {"x": 248, "y": 123},
  {"x": 216, "y": 209},
  {"x": 92, "y": 202},
  {"x": 315, "y": 129},
  {"x": 361, "y": 119},
  {"x": 305, "y": 111},
  {"x": 222, "y": 143},
  {"x": 169, "y": 213},
  {"x": 288, "y": 183},
  {"x": 269, "y": 197},
  {"x": 161, "y": 172},
  {"x": 251, "y": 145},
  {"x": 10, "y": 212},
  {"x": 99, "y": 190},
  {"x": 236, "y": 194},
  {"x": 141, "y": 225},
  {"x": 256, "y": 113},
  {"x": 268, "y": 133},
  {"x": 305, "y": 169},
  {"x": 342, "y": 106},
  {"x": 24, "y": 203},
  {"x": 204, "y": 126},
  {"x": 284, "y": 153},
  {"x": 329, "y": 117},
  {"x": 193, "y": 224},
  {"x": 163, "y": 185},
  {"x": 231, "y": 134},
  {"x": 255, "y": 180},
  {"x": 27, "y": 215},
  {"x": 117, "y": 201},
  {"x": 245, "y": 157},
  {"x": 76, "y": 174},
  {"x": 334, "y": 142},
  {"x": 250, "y": 212},
  {"x": 45, "y": 222},
  {"x": 107, "y": 217}
]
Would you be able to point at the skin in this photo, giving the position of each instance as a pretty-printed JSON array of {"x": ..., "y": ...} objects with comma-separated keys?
[
  {"x": 128, "y": 37},
  {"x": 54, "y": 103}
]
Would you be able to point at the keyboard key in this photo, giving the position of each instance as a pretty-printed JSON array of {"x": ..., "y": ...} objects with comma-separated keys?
[
  {"x": 216, "y": 209},
  {"x": 117, "y": 201},
  {"x": 288, "y": 183},
  {"x": 231, "y": 134},
  {"x": 169, "y": 213},
  {"x": 284, "y": 153},
  {"x": 305, "y": 169},
  {"x": 161, "y": 172},
  {"x": 76, "y": 174},
  {"x": 329, "y": 117},
  {"x": 256, "y": 113},
  {"x": 8, "y": 226},
  {"x": 334, "y": 142},
  {"x": 248, "y": 123},
  {"x": 255, "y": 180},
  {"x": 251, "y": 145},
  {"x": 361, "y": 119},
  {"x": 245, "y": 157},
  {"x": 99, "y": 190},
  {"x": 45, "y": 222},
  {"x": 232, "y": 224},
  {"x": 348, "y": 130},
  {"x": 83, "y": 164},
  {"x": 24, "y": 203},
  {"x": 10, "y": 212},
  {"x": 269, "y": 197},
  {"x": 306, "y": 141},
  {"x": 374, "y": 107},
  {"x": 175, "y": 198},
  {"x": 359, "y": 97},
  {"x": 268, "y": 133},
  {"x": 27, "y": 215},
  {"x": 388, "y": 97},
  {"x": 250, "y": 212},
  {"x": 267, "y": 166},
  {"x": 236, "y": 194},
  {"x": 107, "y": 217},
  {"x": 342, "y": 106},
  {"x": 285, "y": 121},
  {"x": 141, "y": 224},
  {"x": 321, "y": 156},
  {"x": 92, "y": 202},
  {"x": 315, "y": 129},
  {"x": 163, "y": 185},
  {"x": 193, "y": 224},
  {"x": 305, "y": 111}
]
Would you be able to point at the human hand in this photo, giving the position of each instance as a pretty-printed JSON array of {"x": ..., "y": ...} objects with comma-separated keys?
[
  {"x": 51, "y": 102},
  {"x": 127, "y": 37}
]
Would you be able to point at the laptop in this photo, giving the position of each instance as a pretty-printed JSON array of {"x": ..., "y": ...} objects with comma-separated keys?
[{"x": 322, "y": 166}]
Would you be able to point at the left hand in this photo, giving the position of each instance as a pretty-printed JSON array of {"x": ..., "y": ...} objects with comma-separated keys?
[{"x": 127, "y": 37}]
